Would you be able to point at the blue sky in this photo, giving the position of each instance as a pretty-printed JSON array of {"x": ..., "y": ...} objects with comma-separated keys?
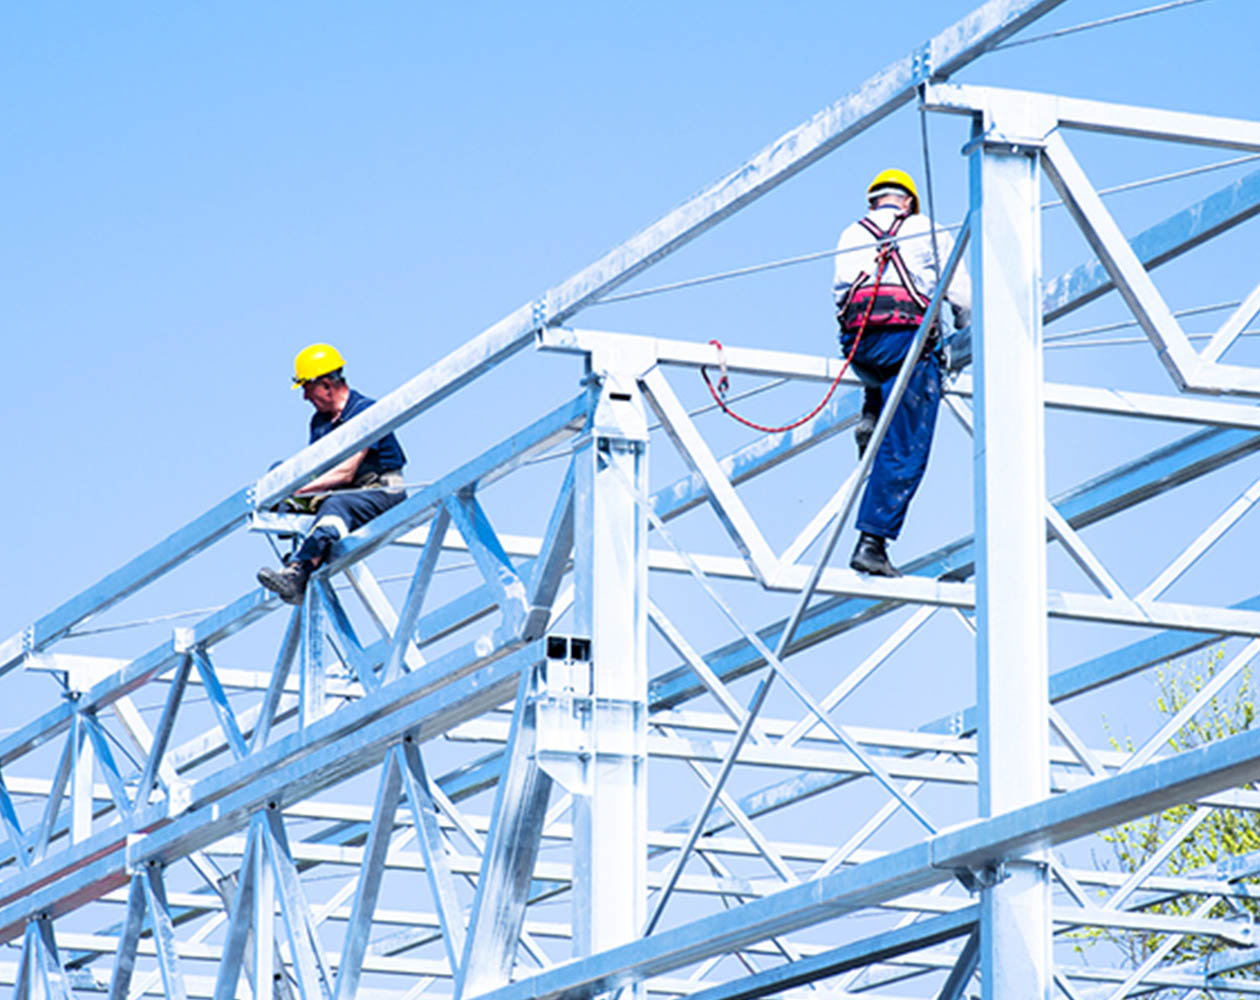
[{"x": 193, "y": 192}]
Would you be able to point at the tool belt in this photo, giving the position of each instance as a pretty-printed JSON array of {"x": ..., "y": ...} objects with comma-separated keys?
[{"x": 391, "y": 479}]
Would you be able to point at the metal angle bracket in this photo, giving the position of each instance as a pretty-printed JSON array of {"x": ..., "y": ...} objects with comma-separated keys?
[
  {"x": 575, "y": 729},
  {"x": 178, "y": 798},
  {"x": 982, "y": 877},
  {"x": 564, "y": 683},
  {"x": 539, "y": 311},
  {"x": 183, "y": 639},
  {"x": 615, "y": 364},
  {"x": 921, "y": 63},
  {"x": 618, "y": 412},
  {"x": 995, "y": 140},
  {"x": 1011, "y": 121},
  {"x": 131, "y": 847},
  {"x": 1240, "y": 930}
]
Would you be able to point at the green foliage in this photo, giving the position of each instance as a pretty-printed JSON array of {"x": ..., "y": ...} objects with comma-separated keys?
[{"x": 1223, "y": 833}]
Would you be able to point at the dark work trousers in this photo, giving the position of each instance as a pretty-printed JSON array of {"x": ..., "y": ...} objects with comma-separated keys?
[
  {"x": 340, "y": 513},
  {"x": 903, "y": 454}
]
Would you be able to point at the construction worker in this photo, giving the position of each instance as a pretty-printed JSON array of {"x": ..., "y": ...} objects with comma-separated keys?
[
  {"x": 349, "y": 494},
  {"x": 887, "y": 270}
]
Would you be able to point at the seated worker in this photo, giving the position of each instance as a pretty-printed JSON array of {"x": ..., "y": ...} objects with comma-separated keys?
[
  {"x": 351, "y": 493},
  {"x": 886, "y": 273}
]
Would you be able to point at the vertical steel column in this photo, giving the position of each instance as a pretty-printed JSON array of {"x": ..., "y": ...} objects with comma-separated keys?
[
  {"x": 1011, "y": 645},
  {"x": 311, "y": 688},
  {"x": 81, "y": 782},
  {"x": 610, "y": 606}
]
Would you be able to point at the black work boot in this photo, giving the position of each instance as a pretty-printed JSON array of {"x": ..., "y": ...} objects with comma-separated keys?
[
  {"x": 871, "y": 556},
  {"x": 288, "y": 582}
]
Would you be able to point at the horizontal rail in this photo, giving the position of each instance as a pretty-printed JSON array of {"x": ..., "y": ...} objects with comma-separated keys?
[
  {"x": 421, "y": 705},
  {"x": 1054, "y": 821}
]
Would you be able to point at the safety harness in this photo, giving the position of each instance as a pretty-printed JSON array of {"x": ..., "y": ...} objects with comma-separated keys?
[
  {"x": 883, "y": 255},
  {"x": 870, "y": 302}
]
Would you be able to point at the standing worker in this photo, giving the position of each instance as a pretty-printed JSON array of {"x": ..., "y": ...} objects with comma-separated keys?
[
  {"x": 351, "y": 493},
  {"x": 887, "y": 270}
]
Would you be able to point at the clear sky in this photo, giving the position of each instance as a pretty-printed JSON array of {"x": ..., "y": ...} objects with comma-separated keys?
[{"x": 195, "y": 191}]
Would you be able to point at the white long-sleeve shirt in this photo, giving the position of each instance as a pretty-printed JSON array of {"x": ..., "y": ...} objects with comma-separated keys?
[{"x": 856, "y": 253}]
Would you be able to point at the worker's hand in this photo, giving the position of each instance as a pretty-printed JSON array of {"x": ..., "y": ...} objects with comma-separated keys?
[{"x": 301, "y": 505}]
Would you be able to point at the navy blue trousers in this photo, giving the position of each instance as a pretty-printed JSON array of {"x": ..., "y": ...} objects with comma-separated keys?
[
  {"x": 340, "y": 513},
  {"x": 903, "y": 454}
]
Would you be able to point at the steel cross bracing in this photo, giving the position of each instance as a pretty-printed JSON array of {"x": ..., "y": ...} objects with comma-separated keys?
[{"x": 555, "y": 781}]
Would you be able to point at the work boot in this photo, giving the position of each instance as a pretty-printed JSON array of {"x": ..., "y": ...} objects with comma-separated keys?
[
  {"x": 871, "y": 556},
  {"x": 288, "y": 582},
  {"x": 863, "y": 431}
]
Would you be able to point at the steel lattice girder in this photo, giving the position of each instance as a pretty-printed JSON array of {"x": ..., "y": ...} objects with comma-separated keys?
[
  {"x": 882, "y": 94},
  {"x": 1052, "y": 821},
  {"x": 1155, "y": 467},
  {"x": 209, "y": 632},
  {"x": 467, "y": 682}
]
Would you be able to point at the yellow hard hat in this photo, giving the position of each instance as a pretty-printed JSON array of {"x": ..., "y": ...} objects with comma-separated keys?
[
  {"x": 892, "y": 177},
  {"x": 315, "y": 361}
]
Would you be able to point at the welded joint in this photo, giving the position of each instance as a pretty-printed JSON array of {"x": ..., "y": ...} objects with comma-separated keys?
[
  {"x": 1240, "y": 932},
  {"x": 515, "y": 611},
  {"x": 561, "y": 688},
  {"x": 1214, "y": 378},
  {"x": 996, "y": 140},
  {"x": 618, "y": 412},
  {"x": 130, "y": 848},
  {"x": 519, "y": 619},
  {"x": 1000, "y": 110},
  {"x": 179, "y": 798},
  {"x": 183, "y": 639},
  {"x": 535, "y": 624},
  {"x": 576, "y": 729}
]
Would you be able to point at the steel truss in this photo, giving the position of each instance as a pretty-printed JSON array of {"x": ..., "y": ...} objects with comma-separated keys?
[{"x": 446, "y": 792}]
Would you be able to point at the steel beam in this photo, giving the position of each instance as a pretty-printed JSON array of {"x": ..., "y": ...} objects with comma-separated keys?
[
  {"x": 457, "y": 687},
  {"x": 882, "y": 94},
  {"x": 877, "y": 948},
  {"x": 606, "y": 769},
  {"x": 498, "y": 911},
  {"x": 600, "y": 751},
  {"x": 985, "y": 842},
  {"x": 1011, "y": 601}
]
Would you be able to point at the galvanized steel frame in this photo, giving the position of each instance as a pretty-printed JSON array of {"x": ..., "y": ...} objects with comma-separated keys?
[{"x": 589, "y": 720}]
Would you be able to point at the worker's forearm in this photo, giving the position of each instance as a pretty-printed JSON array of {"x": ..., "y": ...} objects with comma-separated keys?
[
  {"x": 332, "y": 480},
  {"x": 335, "y": 478}
]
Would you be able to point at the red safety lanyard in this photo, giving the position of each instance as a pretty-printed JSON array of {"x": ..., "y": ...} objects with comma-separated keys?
[{"x": 885, "y": 252}]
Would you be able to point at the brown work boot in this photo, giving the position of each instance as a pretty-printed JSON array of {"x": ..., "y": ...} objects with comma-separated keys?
[
  {"x": 871, "y": 556},
  {"x": 288, "y": 582}
]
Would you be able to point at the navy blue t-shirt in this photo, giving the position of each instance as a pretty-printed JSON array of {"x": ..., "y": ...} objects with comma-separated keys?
[{"x": 386, "y": 455}]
